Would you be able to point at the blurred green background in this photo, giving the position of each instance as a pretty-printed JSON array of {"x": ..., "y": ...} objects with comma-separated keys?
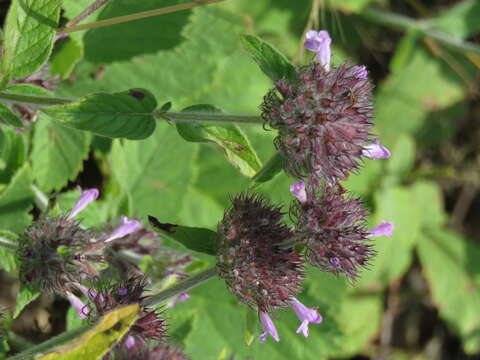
[{"x": 420, "y": 298}]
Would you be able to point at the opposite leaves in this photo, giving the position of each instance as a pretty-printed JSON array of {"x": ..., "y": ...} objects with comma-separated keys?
[{"x": 126, "y": 114}]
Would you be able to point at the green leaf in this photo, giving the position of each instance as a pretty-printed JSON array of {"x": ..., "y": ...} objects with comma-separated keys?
[
  {"x": 25, "y": 296},
  {"x": 8, "y": 259},
  {"x": 13, "y": 152},
  {"x": 450, "y": 265},
  {"x": 124, "y": 114},
  {"x": 270, "y": 169},
  {"x": 154, "y": 174},
  {"x": 66, "y": 58},
  {"x": 29, "y": 89},
  {"x": 16, "y": 202},
  {"x": 121, "y": 41},
  {"x": 403, "y": 157},
  {"x": 394, "y": 255},
  {"x": 29, "y": 34},
  {"x": 97, "y": 341},
  {"x": 274, "y": 64},
  {"x": 229, "y": 138},
  {"x": 196, "y": 239},
  {"x": 8, "y": 117},
  {"x": 57, "y": 155},
  {"x": 459, "y": 20}
]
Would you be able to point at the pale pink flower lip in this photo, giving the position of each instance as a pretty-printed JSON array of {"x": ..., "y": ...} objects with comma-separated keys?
[
  {"x": 376, "y": 151},
  {"x": 86, "y": 197},
  {"x": 306, "y": 316},
  {"x": 298, "y": 190},
  {"x": 268, "y": 327},
  {"x": 384, "y": 229},
  {"x": 319, "y": 42},
  {"x": 128, "y": 227}
]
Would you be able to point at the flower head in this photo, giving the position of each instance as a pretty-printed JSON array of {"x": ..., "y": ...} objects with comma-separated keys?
[
  {"x": 319, "y": 42},
  {"x": 332, "y": 226},
  {"x": 255, "y": 256},
  {"x": 324, "y": 119}
]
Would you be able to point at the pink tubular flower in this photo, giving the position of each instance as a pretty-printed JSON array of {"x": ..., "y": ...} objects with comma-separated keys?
[
  {"x": 86, "y": 197},
  {"x": 128, "y": 227},
  {"x": 306, "y": 316},
  {"x": 384, "y": 229},
  {"x": 319, "y": 42},
  {"x": 376, "y": 151},
  {"x": 268, "y": 327},
  {"x": 298, "y": 190},
  {"x": 79, "y": 305}
]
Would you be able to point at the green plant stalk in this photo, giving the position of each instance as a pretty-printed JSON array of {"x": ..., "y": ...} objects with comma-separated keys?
[
  {"x": 204, "y": 117},
  {"x": 421, "y": 26},
  {"x": 137, "y": 16},
  {"x": 87, "y": 12},
  {"x": 181, "y": 287},
  {"x": 153, "y": 300},
  {"x": 35, "y": 100}
]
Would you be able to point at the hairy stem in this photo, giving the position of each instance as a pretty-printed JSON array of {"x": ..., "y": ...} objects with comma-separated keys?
[
  {"x": 40, "y": 199},
  {"x": 35, "y": 100},
  {"x": 85, "y": 13},
  {"x": 205, "y": 117},
  {"x": 422, "y": 26},
  {"x": 137, "y": 16},
  {"x": 181, "y": 287}
]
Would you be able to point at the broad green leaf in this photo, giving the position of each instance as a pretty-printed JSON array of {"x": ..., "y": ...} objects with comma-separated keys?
[
  {"x": 29, "y": 34},
  {"x": 274, "y": 64},
  {"x": 58, "y": 153},
  {"x": 196, "y": 239},
  {"x": 8, "y": 117},
  {"x": 231, "y": 140},
  {"x": 97, "y": 341},
  {"x": 29, "y": 89},
  {"x": 125, "y": 114},
  {"x": 429, "y": 196},
  {"x": 73, "y": 320},
  {"x": 459, "y": 20},
  {"x": 403, "y": 157},
  {"x": 270, "y": 169},
  {"x": 154, "y": 174},
  {"x": 8, "y": 259},
  {"x": 450, "y": 264},
  {"x": 24, "y": 297},
  {"x": 394, "y": 255},
  {"x": 121, "y": 41},
  {"x": 202, "y": 210},
  {"x": 13, "y": 152},
  {"x": 66, "y": 58},
  {"x": 16, "y": 202}
]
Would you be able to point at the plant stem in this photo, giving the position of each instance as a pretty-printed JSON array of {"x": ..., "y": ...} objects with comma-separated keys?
[
  {"x": 206, "y": 117},
  {"x": 137, "y": 16},
  {"x": 7, "y": 244},
  {"x": 35, "y": 100},
  {"x": 421, "y": 26},
  {"x": 181, "y": 287},
  {"x": 85, "y": 13},
  {"x": 40, "y": 199},
  {"x": 273, "y": 166}
]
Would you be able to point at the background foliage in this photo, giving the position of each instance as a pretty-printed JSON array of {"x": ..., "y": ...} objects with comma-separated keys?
[{"x": 421, "y": 297}]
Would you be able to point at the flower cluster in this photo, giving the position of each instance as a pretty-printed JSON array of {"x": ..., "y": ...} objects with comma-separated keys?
[
  {"x": 258, "y": 262},
  {"x": 105, "y": 297},
  {"x": 55, "y": 253},
  {"x": 164, "y": 351},
  {"x": 324, "y": 118}
]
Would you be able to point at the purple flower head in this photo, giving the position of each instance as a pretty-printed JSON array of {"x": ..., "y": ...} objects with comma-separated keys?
[
  {"x": 298, "y": 190},
  {"x": 268, "y": 327},
  {"x": 376, "y": 151},
  {"x": 128, "y": 227},
  {"x": 319, "y": 42},
  {"x": 255, "y": 254},
  {"x": 360, "y": 71},
  {"x": 86, "y": 197},
  {"x": 384, "y": 229},
  {"x": 79, "y": 305},
  {"x": 332, "y": 226},
  {"x": 180, "y": 298},
  {"x": 306, "y": 316}
]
